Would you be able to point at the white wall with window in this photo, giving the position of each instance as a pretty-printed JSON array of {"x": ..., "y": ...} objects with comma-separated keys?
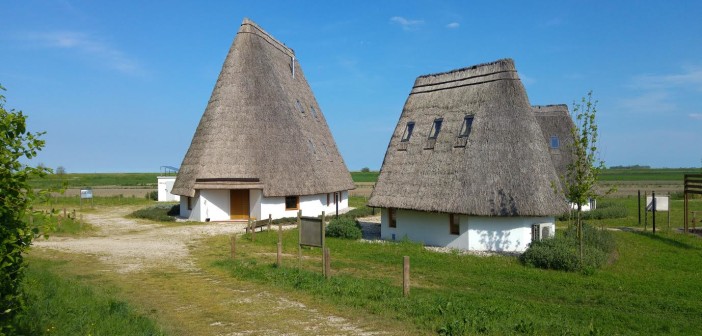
[{"x": 475, "y": 233}]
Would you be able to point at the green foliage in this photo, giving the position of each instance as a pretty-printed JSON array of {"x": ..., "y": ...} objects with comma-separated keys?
[
  {"x": 62, "y": 306},
  {"x": 561, "y": 252},
  {"x": 16, "y": 197},
  {"x": 152, "y": 195},
  {"x": 365, "y": 170},
  {"x": 345, "y": 228},
  {"x": 159, "y": 213},
  {"x": 365, "y": 176},
  {"x": 96, "y": 179},
  {"x": 604, "y": 211}
]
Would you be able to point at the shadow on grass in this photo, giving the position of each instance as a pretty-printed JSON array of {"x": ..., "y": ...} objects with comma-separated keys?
[{"x": 666, "y": 240}]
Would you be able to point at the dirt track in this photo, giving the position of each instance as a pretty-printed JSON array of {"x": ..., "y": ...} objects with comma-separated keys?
[{"x": 134, "y": 249}]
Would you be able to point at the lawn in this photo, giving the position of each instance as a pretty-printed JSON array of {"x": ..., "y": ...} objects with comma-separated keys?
[{"x": 651, "y": 286}]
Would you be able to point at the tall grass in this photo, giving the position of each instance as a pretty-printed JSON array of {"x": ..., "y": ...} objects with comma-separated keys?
[{"x": 64, "y": 306}]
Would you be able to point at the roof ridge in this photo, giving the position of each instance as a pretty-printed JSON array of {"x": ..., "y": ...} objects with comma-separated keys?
[{"x": 266, "y": 36}]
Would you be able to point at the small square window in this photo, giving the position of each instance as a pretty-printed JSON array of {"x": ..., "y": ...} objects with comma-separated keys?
[
  {"x": 555, "y": 143},
  {"x": 466, "y": 127},
  {"x": 292, "y": 202},
  {"x": 408, "y": 131},
  {"x": 392, "y": 216},
  {"x": 454, "y": 224},
  {"x": 436, "y": 128}
]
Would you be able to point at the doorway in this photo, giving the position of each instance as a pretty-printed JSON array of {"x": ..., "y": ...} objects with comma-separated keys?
[{"x": 239, "y": 204}]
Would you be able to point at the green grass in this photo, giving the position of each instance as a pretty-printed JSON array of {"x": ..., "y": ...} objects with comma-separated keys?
[
  {"x": 62, "y": 226},
  {"x": 97, "y": 179},
  {"x": 651, "y": 288},
  {"x": 358, "y": 176},
  {"x": 657, "y": 174},
  {"x": 159, "y": 213},
  {"x": 59, "y": 305},
  {"x": 75, "y": 202}
]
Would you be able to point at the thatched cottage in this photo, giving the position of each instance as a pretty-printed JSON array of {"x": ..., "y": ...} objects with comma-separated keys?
[
  {"x": 263, "y": 145},
  {"x": 467, "y": 166}
]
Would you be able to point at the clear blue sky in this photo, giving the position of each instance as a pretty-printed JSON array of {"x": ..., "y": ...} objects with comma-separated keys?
[{"x": 120, "y": 86}]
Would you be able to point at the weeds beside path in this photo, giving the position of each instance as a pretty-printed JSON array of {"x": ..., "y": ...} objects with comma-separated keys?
[{"x": 152, "y": 266}]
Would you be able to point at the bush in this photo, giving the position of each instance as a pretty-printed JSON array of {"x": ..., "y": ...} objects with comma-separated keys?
[
  {"x": 561, "y": 252},
  {"x": 365, "y": 170},
  {"x": 345, "y": 228},
  {"x": 159, "y": 213},
  {"x": 152, "y": 195},
  {"x": 604, "y": 211}
]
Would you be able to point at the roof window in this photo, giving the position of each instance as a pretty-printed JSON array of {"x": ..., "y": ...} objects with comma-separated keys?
[
  {"x": 436, "y": 128},
  {"x": 408, "y": 131},
  {"x": 555, "y": 142},
  {"x": 466, "y": 127},
  {"x": 299, "y": 106},
  {"x": 314, "y": 112}
]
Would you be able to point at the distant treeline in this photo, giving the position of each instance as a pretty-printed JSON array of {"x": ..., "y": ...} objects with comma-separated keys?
[{"x": 630, "y": 167}]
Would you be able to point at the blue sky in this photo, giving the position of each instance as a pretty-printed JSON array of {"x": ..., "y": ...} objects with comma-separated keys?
[{"x": 119, "y": 86}]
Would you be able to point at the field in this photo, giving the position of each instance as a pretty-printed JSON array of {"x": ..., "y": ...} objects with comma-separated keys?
[{"x": 110, "y": 274}]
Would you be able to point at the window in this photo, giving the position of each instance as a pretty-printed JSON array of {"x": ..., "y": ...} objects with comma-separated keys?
[
  {"x": 408, "y": 131},
  {"x": 454, "y": 221},
  {"x": 393, "y": 217},
  {"x": 190, "y": 203},
  {"x": 555, "y": 143},
  {"x": 292, "y": 202},
  {"x": 311, "y": 147},
  {"x": 467, "y": 126},
  {"x": 436, "y": 128},
  {"x": 299, "y": 106},
  {"x": 314, "y": 112}
]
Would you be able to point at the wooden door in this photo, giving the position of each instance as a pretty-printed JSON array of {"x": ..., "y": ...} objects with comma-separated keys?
[{"x": 239, "y": 204}]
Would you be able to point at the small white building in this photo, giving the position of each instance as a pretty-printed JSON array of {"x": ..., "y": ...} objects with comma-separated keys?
[
  {"x": 165, "y": 185},
  {"x": 467, "y": 167},
  {"x": 263, "y": 146}
]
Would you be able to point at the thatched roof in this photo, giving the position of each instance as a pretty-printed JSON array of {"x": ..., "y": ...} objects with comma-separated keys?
[
  {"x": 501, "y": 169},
  {"x": 555, "y": 120},
  {"x": 262, "y": 123}
]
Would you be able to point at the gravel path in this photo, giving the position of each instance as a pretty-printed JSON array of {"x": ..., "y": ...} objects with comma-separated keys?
[{"x": 133, "y": 247}]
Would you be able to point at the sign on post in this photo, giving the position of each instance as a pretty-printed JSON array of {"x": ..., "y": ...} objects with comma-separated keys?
[
  {"x": 661, "y": 203},
  {"x": 311, "y": 231},
  {"x": 86, "y": 193}
]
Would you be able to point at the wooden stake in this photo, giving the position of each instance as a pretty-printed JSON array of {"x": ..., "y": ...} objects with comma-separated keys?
[
  {"x": 253, "y": 230},
  {"x": 299, "y": 237},
  {"x": 406, "y": 276},
  {"x": 280, "y": 233},
  {"x": 270, "y": 221},
  {"x": 233, "y": 247},
  {"x": 327, "y": 263},
  {"x": 279, "y": 256},
  {"x": 64, "y": 212}
]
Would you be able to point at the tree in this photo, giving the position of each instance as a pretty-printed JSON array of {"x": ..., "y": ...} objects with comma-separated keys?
[
  {"x": 60, "y": 170},
  {"x": 16, "y": 197},
  {"x": 365, "y": 170},
  {"x": 583, "y": 172}
]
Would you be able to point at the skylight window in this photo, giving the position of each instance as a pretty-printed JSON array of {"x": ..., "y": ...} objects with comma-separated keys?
[
  {"x": 299, "y": 106},
  {"x": 555, "y": 142},
  {"x": 408, "y": 131},
  {"x": 314, "y": 112},
  {"x": 436, "y": 128},
  {"x": 467, "y": 126}
]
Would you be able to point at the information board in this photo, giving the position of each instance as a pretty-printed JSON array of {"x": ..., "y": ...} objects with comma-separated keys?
[
  {"x": 86, "y": 193},
  {"x": 311, "y": 231},
  {"x": 661, "y": 203}
]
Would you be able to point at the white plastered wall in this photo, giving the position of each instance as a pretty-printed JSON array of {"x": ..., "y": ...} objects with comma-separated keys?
[
  {"x": 164, "y": 187},
  {"x": 509, "y": 234}
]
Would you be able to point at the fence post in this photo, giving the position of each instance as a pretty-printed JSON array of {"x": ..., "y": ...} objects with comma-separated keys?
[
  {"x": 233, "y": 246},
  {"x": 252, "y": 226},
  {"x": 324, "y": 247},
  {"x": 406, "y": 276},
  {"x": 645, "y": 210},
  {"x": 639, "y": 204},
  {"x": 270, "y": 221},
  {"x": 653, "y": 207},
  {"x": 299, "y": 238},
  {"x": 327, "y": 264},
  {"x": 279, "y": 254}
]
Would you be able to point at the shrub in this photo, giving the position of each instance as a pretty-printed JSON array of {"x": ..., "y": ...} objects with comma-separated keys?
[
  {"x": 158, "y": 213},
  {"x": 365, "y": 170},
  {"x": 152, "y": 195},
  {"x": 603, "y": 211},
  {"x": 561, "y": 252},
  {"x": 345, "y": 228}
]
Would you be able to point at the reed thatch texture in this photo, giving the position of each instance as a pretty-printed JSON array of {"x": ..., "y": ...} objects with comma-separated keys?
[
  {"x": 555, "y": 120},
  {"x": 254, "y": 127},
  {"x": 504, "y": 168}
]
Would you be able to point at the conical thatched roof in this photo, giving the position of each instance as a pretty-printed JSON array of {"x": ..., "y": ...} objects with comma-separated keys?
[
  {"x": 262, "y": 127},
  {"x": 555, "y": 120},
  {"x": 501, "y": 169}
]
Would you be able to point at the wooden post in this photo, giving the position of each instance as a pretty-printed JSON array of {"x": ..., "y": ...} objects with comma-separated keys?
[
  {"x": 279, "y": 256},
  {"x": 299, "y": 238},
  {"x": 670, "y": 208},
  {"x": 280, "y": 233},
  {"x": 233, "y": 247},
  {"x": 639, "y": 204},
  {"x": 406, "y": 276},
  {"x": 324, "y": 247},
  {"x": 685, "y": 214},
  {"x": 74, "y": 214},
  {"x": 327, "y": 263},
  {"x": 653, "y": 207},
  {"x": 694, "y": 222},
  {"x": 270, "y": 221},
  {"x": 64, "y": 212},
  {"x": 253, "y": 230}
]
